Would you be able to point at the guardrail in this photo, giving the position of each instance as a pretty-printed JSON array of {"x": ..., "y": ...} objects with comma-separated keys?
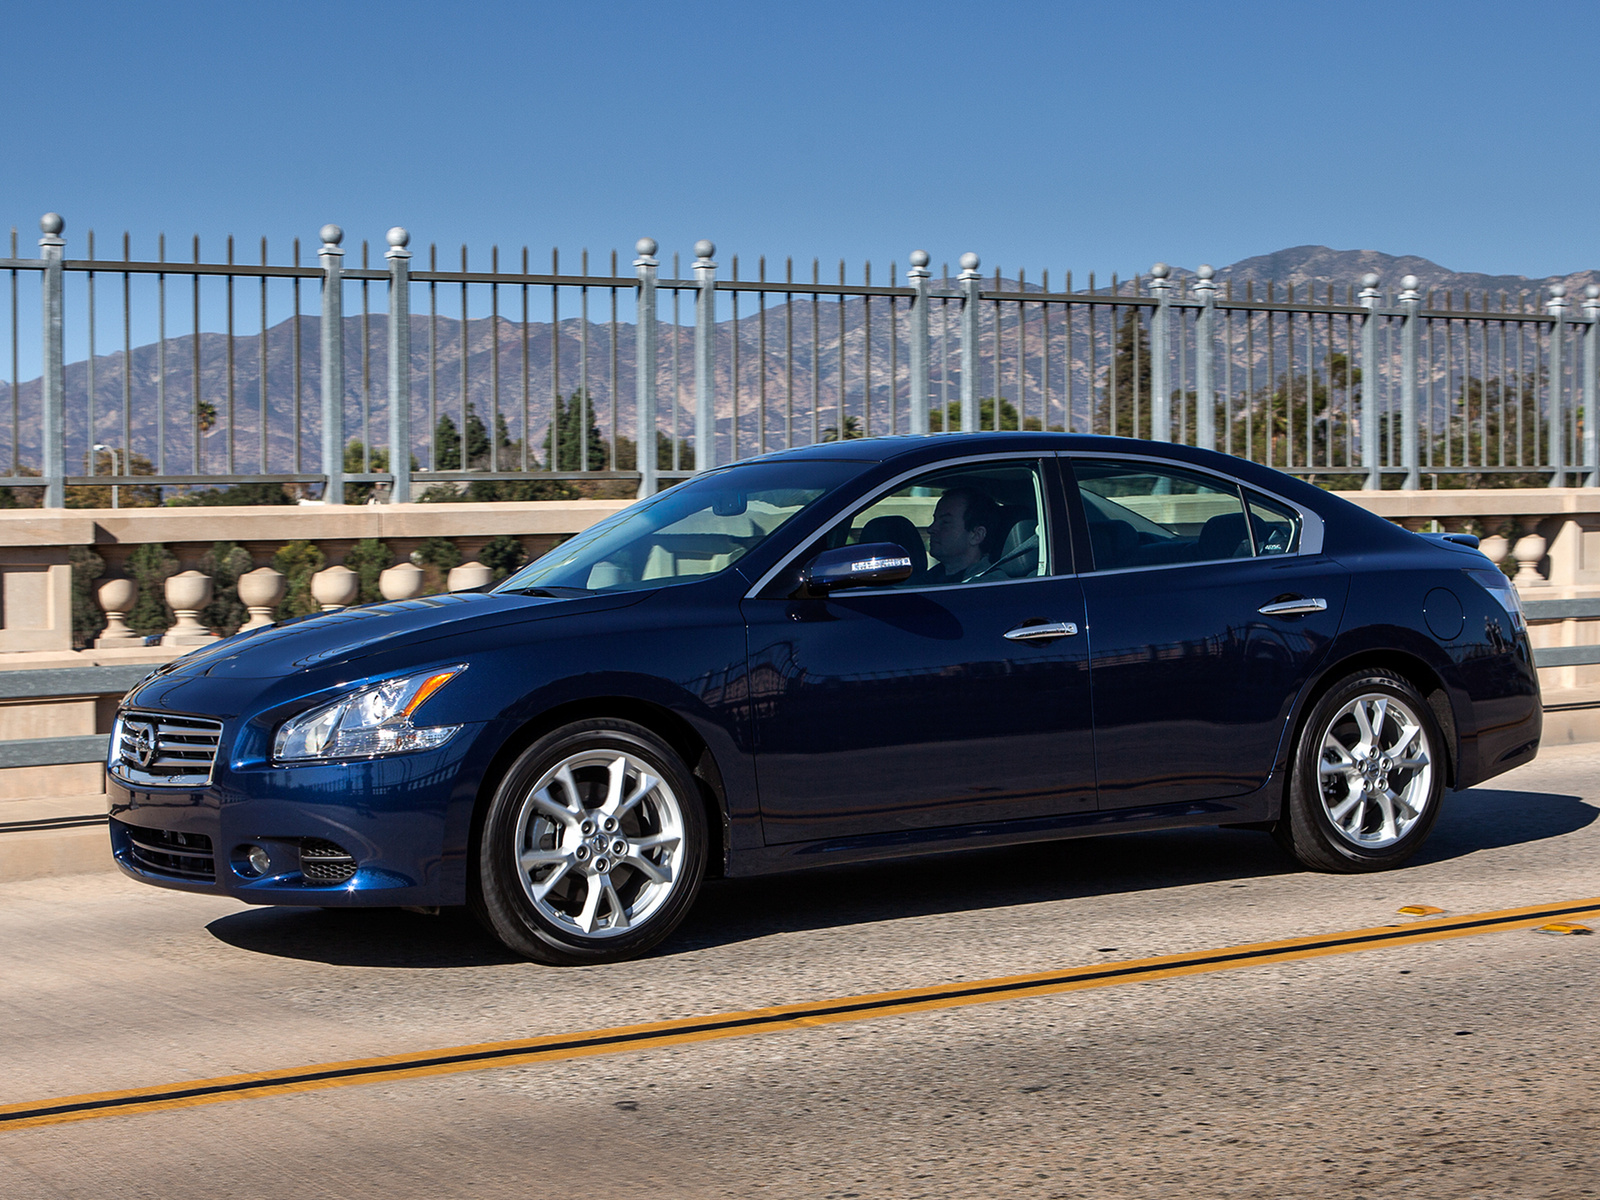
[{"x": 79, "y": 682}]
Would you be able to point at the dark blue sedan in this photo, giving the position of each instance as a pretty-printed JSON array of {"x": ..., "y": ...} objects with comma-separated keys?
[{"x": 852, "y": 651}]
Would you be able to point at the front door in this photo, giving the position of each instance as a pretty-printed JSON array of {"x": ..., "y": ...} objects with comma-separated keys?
[{"x": 908, "y": 707}]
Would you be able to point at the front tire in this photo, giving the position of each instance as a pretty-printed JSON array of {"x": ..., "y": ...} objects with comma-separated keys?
[
  {"x": 593, "y": 847},
  {"x": 1368, "y": 777}
]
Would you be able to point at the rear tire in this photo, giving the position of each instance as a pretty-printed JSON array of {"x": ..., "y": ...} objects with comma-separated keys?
[
  {"x": 594, "y": 845},
  {"x": 1368, "y": 776}
]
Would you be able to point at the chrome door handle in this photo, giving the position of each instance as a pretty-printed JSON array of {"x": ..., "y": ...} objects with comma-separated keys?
[
  {"x": 1029, "y": 633},
  {"x": 1294, "y": 608}
]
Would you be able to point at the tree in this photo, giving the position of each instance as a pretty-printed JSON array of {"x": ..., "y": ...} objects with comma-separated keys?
[
  {"x": 1124, "y": 405},
  {"x": 566, "y": 446},
  {"x": 369, "y": 558},
  {"x": 137, "y": 495},
  {"x": 852, "y": 430},
  {"x": 150, "y": 565},
  {"x": 225, "y": 562},
  {"x": 502, "y": 554},
  {"x": 950, "y": 418},
  {"x": 299, "y": 561}
]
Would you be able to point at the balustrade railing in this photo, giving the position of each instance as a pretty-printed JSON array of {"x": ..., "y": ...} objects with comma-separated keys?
[{"x": 490, "y": 381}]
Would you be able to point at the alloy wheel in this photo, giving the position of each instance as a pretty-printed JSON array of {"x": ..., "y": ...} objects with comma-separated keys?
[
  {"x": 1376, "y": 771},
  {"x": 599, "y": 843}
]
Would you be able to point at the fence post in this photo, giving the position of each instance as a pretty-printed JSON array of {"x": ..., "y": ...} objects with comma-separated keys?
[
  {"x": 1591, "y": 385},
  {"x": 971, "y": 285},
  {"x": 1205, "y": 391},
  {"x": 1370, "y": 444},
  {"x": 400, "y": 364},
  {"x": 917, "y": 276},
  {"x": 1557, "y": 308},
  {"x": 1160, "y": 367},
  {"x": 705, "y": 356},
  {"x": 1411, "y": 300},
  {"x": 644, "y": 366},
  {"x": 332, "y": 368},
  {"x": 53, "y": 383}
]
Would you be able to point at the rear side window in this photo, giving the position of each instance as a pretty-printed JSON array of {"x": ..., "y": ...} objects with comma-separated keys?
[
  {"x": 1275, "y": 527},
  {"x": 1148, "y": 514}
]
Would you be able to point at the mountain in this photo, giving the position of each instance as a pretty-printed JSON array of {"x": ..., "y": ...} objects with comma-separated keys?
[{"x": 844, "y": 357}]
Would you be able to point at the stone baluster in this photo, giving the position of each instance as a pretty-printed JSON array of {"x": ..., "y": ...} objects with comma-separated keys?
[
  {"x": 469, "y": 575},
  {"x": 1495, "y": 547},
  {"x": 261, "y": 591},
  {"x": 335, "y": 588},
  {"x": 1528, "y": 550},
  {"x": 188, "y": 592},
  {"x": 116, "y": 598},
  {"x": 403, "y": 581}
]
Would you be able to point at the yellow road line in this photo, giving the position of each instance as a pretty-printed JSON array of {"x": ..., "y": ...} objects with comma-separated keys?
[{"x": 766, "y": 1020}]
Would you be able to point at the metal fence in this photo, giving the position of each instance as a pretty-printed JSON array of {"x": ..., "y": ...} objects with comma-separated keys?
[{"x": 450, "y": 375}]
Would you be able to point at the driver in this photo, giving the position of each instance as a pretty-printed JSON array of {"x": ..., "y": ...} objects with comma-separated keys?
[{"x": 962, "y": 522}]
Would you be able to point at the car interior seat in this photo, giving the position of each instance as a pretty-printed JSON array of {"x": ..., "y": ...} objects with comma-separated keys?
[
  {"x": 902, "y": 533},
  {"x": 1019, "y": 553},
  {"x": 1114, "y": 544},
  {"x": 1223, "y": 536}
]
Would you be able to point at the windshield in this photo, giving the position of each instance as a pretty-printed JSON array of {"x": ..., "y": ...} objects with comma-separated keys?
[{"x": 698, "y": 528}]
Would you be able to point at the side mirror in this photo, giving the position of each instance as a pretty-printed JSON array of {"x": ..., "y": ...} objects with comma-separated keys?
[{"x": 875, "y": 565}]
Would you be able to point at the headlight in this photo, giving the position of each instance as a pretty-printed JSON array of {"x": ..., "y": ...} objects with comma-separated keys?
[{"x": 374, "y": 720}]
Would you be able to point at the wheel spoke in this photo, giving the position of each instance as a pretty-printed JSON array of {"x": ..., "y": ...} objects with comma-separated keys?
[
  {"x": 619, "y": 914},
  {"x": 1363, "y": 723},
  {"x": 543, "y": 887},
  {"x": 532, "y": 860},
  {"x": 651, "y": 871},
  {"x": 1406, "y": 738},
  {"x": 591, "y": 904},
  {"x": 1408, "y": 764},
  {"x": 1379, "y": 718},
  {"x": 616, "y": 780},
  {"x": 647, "y": 784},
  {"x": 1352, "y": 803},
  {"x": 1387, "y": 832},
  {"x": 1395, "y": 798},
  {"x": 655, "y": 840}
]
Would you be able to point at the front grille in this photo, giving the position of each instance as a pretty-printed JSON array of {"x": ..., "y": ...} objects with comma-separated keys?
[
  {"x": 165, "y": 750},
  {"x": 182, "y": 855},
  {"x": 325, "y": 862}
]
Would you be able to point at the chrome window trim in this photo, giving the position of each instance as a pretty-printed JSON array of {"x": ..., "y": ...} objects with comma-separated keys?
[
  {"x": 1311, "y": 528},
  {"x": 1046, "y": 533}
]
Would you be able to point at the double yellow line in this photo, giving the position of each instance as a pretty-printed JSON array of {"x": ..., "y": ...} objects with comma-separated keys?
[{"x": 765, "y": 1020}]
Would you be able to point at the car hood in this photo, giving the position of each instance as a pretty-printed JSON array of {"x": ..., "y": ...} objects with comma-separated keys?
[{"x": 337, "y": 638}]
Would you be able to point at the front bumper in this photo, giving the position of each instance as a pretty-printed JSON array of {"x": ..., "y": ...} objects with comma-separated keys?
[{"x": 402, "y": 818}]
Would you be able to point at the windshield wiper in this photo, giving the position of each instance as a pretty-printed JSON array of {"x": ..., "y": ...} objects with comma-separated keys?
[{"x": 548, "y": 593}]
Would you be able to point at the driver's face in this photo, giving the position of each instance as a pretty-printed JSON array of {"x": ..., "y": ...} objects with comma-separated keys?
[{"x": 949, "y": 540}]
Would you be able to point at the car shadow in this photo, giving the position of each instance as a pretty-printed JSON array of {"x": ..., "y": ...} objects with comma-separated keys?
[
  {"x": 737, "y": 910},
  {"x": 363, "y": 937}
]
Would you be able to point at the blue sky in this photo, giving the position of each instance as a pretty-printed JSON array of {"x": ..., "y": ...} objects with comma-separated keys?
[{"x": 1084, "y": 136}]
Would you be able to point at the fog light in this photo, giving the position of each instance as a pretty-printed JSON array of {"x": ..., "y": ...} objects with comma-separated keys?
[{"x": 258, "y": 860}]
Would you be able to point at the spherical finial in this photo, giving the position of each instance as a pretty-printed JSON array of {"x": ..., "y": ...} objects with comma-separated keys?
[
  {"x": 1206, "y": 271},
  {"x": 919, "y": 258},
  {"x": 705, "y": 248},
  {"x": 1592, "y": 291},
  {"x": 1558, "y": 289},
  {"x": 1370, "y": 279},
  {"x": 396, "y": 237},
  {"x": 1409, "y": 282},
  {"x": 331, "y": 235},
  {"x": 51, "y": 224},
  {"x": 970, "y": 261},
  {"x": 1160, "y": 271},
  {"x": 645, "y": 247}
]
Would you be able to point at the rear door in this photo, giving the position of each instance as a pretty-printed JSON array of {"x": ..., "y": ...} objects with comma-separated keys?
[{"x": 1209, "y": 606}]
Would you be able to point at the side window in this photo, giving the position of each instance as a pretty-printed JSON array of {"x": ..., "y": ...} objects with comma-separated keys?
[
  {"x": 1275, "y": 527},
  {"x": 1147, "y": 514},
  {"x": 981, "y": 523}
]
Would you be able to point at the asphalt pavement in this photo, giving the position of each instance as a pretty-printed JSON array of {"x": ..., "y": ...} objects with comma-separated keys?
[{"x": 1453, "y": 1068}]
